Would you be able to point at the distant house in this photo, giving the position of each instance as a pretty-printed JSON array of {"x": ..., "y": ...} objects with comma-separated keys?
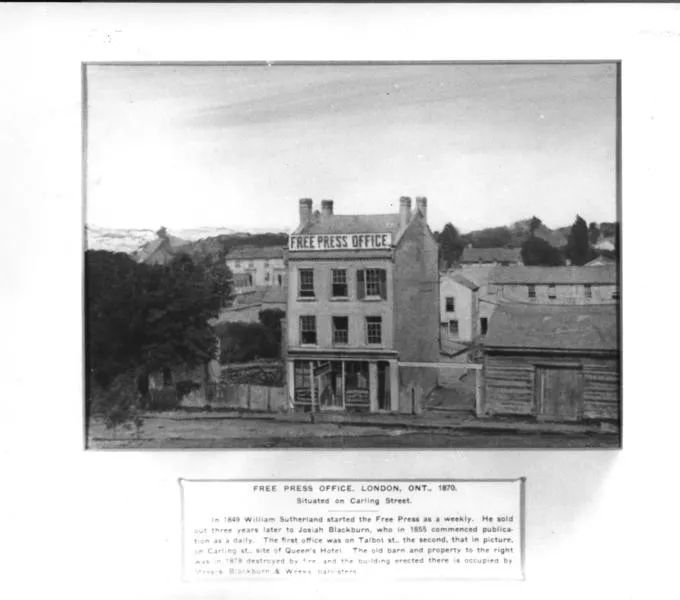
[
  {"x": 458, "y": 308},
  {"x": 555, "y": 285},
  {"x": 600, "y": 261},
  {"x": 162, "y": 250},
  {"x": 491, "y": 256},
  {"x": 247, "y": 306},
  {"x": 607, "y": 244},
  {"x": 255, "y": 267},
  {"x": 555, "y": 363}
]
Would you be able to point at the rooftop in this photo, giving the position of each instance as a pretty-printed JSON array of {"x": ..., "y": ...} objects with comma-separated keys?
[
  {"x": 254, "y": 253},
  {"x": 458, "y": 277},
  {"x": 518, "y": 274},
  {"x": 554, "y": 327},
  {"x": 388, "y": 223},
  {"x": 490, "y": 255}
]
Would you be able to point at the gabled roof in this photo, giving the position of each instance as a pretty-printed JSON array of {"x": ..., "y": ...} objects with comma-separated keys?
[
  {"x": 490, "y": 255},
  {"x": 518, "y": 274},
  {"x": 389, "y": 223},
  {"x": 573, "y": 328},
  {"x": 167, "y": 244},
  {"x": 462, "y": 280},
  {"x": 254, "y": 253},
  {"x": 600, "y": 260}
]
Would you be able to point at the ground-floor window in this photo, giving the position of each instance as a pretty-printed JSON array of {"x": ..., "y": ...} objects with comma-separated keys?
[
  {"x": 484, "y": 325},
  {"x": 340, "y": 385}
]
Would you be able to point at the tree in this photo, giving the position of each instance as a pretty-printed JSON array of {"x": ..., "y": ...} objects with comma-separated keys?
[
  {"x": 578, "y": 249},
  {"x": 149, "y": 317},
  {"x": 450, "y": 245},
  {"x": 534, "y": 224},
  {"x": 593, "y": 233},
  {"x": 539, "y": 253}
]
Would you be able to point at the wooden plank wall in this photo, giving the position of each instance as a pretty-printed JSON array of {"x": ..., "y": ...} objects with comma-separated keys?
[{"x": 509, "y": 384}]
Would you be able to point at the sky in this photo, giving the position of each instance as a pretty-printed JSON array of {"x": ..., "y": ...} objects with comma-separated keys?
[{"x": 238, "y": 146}]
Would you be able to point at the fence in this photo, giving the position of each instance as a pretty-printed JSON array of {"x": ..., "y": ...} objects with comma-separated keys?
[{"x": 238, "y": 396}]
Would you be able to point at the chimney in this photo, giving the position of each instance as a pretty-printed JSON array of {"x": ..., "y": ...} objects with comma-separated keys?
[
  {"x": 305, "y": 211},
  {"x": 327, "y": 208},
  {"x": 404, "y": 211},
  {"x": 421, "y": 205}
]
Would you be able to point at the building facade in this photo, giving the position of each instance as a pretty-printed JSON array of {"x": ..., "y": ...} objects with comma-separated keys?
[
  {"x": 491, "y": 256},
  {"x": 459, "y": 308},
  {"x": 362, "y": 300},
  {"x": 555, "y": 285},
  {"x": 254, "y": 267}
]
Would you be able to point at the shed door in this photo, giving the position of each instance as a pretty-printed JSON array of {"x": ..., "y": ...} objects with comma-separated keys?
[{"x": 559, "y": 392}]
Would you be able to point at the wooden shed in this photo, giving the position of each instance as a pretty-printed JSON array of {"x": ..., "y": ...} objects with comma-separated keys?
[{"x": 558, "y": 363}]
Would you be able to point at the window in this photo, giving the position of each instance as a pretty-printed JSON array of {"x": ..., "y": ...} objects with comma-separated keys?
[
  {"x": 532, "y": 292},
  {"x": 453, "y": 328},
  {"x": 339, "y": 283},
  {"x": 450, "y": 306},
  {"x": 552, "y": 292},
  {"x": 340, "y": 330},
  {"x": 266, "y": 264},
  {"x": 237, "y": 263},
  {"x": 266, "y": 275},
  {"x": 372, "y": 283},
  {"x": 279, "y": 278},
  {"x": 306, "y": 283},
  {"x": 589, "y": 291},
  {"x": 615, "y": 293},
  {"x": 374, "y": 330},
  {"x": 308, "y": 330},
  {"x": 251, "y": 265},
  {"x": 491, "y": 289},
  {"x": 483, "y": 325}
]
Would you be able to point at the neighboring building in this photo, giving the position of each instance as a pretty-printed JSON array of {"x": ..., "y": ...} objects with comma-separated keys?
[
  {"x": 247, "y": 306},
  {"x": 254, "y": 267},
  {"x": 553, "y": 362},
  {"x": 554, "y": 285},
  {"x": 458, "y": 308},
  {"x": 362, "y": 299},
  {"x": 491, "y": 256},
  {"x": 608, "y": 244},
  {"x": 162, "y": 250},
  {"x": 600, "y": 261}
]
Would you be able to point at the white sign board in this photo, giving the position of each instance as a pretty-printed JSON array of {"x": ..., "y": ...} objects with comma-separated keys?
[{"x": 340, "y": 241}]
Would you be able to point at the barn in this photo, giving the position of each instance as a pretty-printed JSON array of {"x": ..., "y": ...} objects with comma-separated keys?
[{"x": 556, "y": 363}]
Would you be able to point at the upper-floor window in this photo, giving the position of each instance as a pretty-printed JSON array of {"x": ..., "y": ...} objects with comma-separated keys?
[
  {"x": 374, "y": 330},
  {"x": 306, "y": 283},
  {"x": 552, "y": 292},
  {"x": 237, "y": 263},
  {"x": 453, "y": 328},
  {"x": 484, "y": 325},
  {"x": 450, "y": 305},
  {"x": 308, "y": 329},
  {"x": 615, "y": 293},
  {"x": 372, "y": 283},
  {"x": 532, "y": 292},
  {"x": 339, "y": 283},
  {"x": 588, "y": 291},
  {"x": 340, "y": 330},
  {"x": 491, "y": 289}
]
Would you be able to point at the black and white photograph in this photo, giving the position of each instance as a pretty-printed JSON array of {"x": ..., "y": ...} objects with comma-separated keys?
[{"x": 352, "y": 255}]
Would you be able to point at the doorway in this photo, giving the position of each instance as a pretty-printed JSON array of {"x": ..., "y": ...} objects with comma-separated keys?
[
  {"x": 383, "y": 385},
  {"x": 331, "y": 388},
  {"x": 559, "y": 393}
]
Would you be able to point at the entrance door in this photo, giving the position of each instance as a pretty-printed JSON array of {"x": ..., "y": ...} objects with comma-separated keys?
[
  {"x": 559, "y": 393},
  {"x": 383, "y": 385},
  {"x": 331, "y": 393}
]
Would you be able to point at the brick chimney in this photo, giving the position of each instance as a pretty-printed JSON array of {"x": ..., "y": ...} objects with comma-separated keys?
[
  {"x": 327, "y": 208},
  {"x": 404, "y": 211},
  {"x": 305, "y": 211},
  {"x": 421, "y": 205}
]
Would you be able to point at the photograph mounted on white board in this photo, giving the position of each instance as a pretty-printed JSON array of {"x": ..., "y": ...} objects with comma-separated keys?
[{"x": 352, "y": 255}]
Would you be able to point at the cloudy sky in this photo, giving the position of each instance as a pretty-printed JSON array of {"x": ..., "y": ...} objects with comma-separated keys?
[{"x": 237, "y": 146}]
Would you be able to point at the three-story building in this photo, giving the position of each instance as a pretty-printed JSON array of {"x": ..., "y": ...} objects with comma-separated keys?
[{"x": 362, "y": 301}]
